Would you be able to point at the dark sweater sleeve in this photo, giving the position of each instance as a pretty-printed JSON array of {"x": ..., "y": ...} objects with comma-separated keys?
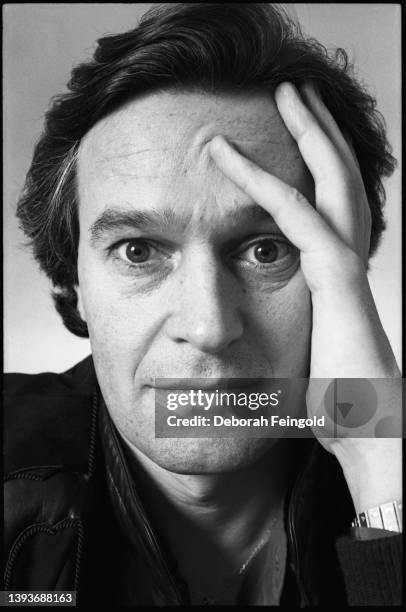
[{"x": 372, "y": 570}]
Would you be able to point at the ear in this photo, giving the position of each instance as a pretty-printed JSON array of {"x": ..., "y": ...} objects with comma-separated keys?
[{"x": 80, "y": 305}]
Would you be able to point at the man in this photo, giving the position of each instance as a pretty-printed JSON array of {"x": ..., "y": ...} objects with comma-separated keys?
[{"x": 205, "y": 200}]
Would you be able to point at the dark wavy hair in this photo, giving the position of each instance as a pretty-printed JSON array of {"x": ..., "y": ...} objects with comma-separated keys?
[{"x": 212, "y": 47}]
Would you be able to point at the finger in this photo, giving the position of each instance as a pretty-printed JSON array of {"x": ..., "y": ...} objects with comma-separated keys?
[
  {"x": 343, "y": 144},
  {"x": 292, "y": 212},
  {"x": 354, "y": 155},
  {"x": 314, "y": 103},
  {"x": 340, "y": 193},
  {"x": 318, "y": 151}
]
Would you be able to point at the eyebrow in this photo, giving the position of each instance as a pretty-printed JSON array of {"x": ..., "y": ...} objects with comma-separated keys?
[{"x": 112, "y": 219}]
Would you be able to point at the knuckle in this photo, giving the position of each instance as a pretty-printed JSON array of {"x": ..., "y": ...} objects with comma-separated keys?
[
  {"x": 304, "y": 134},
  {"x": 297, "y": 196}
]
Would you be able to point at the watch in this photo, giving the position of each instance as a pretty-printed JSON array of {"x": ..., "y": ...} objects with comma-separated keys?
[{"x": 387, "y": 516}]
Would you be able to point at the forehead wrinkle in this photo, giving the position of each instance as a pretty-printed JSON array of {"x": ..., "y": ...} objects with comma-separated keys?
[
  {"x": 256, "y": 132},
  {"x": 194, "y": 158}
]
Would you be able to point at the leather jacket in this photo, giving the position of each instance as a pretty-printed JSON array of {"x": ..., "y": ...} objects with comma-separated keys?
[{"x": 75, "y": 518}]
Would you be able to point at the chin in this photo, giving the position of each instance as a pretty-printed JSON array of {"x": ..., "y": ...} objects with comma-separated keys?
[{"x": 207, "y": 455}]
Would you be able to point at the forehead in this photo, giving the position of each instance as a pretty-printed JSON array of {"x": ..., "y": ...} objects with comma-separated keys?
[
  {"x": 169, "y": 125},
  {"x": 156, "y": 146}
]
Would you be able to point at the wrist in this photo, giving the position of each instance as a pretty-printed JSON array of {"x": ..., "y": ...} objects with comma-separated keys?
[{"x": 372, "y": 470}]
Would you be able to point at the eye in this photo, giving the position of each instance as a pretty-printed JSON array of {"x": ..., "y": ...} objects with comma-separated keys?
[
  {"x": 265, "y": 251},
  {"x": 137, "y": 251}
]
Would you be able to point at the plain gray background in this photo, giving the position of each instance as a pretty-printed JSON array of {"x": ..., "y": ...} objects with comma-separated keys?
[{"x": 42, "y": 42}]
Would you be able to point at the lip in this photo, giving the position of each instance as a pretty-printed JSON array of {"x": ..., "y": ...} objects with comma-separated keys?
[{"x": 211, "y": 384}]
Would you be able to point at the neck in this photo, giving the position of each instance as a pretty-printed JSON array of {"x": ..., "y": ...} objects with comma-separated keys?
[{"x": 223, "y": 516}]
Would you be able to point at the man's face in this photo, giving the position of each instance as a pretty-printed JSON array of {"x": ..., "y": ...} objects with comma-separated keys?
[{"x": 181, "y": 274}]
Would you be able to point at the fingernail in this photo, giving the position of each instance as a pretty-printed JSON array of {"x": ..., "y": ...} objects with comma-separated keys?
[
  {"x": 219, "y": 144},
  {"x": 286, "y": 95},
  {"x": 286, "y": 98},
  {"x": 286, "y": 89}
]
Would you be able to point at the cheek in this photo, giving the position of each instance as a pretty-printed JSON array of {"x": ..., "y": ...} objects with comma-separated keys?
[
  {"x": 282, "y": 321},
  {"x": 120, "y": 327},
  {"x": 120, "y": 332}
]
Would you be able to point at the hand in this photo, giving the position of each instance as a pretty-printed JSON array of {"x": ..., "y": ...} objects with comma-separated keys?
[{"x": 333, "y": 238}]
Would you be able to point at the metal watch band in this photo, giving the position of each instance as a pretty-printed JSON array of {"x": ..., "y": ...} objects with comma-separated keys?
[{"x": 387, "y": 516}]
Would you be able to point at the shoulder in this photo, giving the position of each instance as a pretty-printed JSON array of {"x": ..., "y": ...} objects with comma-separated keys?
[
  {"x": 48, "y": 417},
  {"x": 76, "y": 379},
  {"x": 53, "y": 484}
]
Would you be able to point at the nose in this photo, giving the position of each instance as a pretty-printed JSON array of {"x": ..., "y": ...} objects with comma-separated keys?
[{"x": 206, "y": 312}]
